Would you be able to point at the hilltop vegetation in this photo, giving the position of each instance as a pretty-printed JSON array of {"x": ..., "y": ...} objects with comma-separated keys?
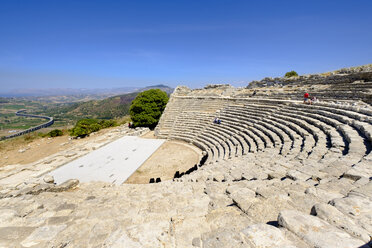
[
  {"x": 147, "y": 107},
  {"x": 291, "y": 74},
  {"x": 85, "y": 127},
  {"x": 109, "y": 108}
]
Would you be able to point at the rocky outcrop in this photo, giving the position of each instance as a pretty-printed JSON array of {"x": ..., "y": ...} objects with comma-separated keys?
[{"x": 345, "y": 75}]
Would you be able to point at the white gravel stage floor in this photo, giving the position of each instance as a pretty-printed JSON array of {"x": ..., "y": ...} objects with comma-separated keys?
[{"x": 112, "y": 163}]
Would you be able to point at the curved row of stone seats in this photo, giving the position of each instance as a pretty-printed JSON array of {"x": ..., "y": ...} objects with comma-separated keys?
[
  {"x": 357, "y": 120},
  {"x": 260, "y": 121},
  {"x": 232, "y": 136},
  {"x": 263, "y": 135},
  {"x": 191, "y": 122},
  {"x": 245, "y": 116},
  {"x": 333, "y": 137},
  {"x": 355, "y": 135},
  {"x": 179, "y": 105},
  {"x": 295, "y": 130},
  {"x": 353, "y": 138},
  {"x": 345, "y": 130},
  {"x": 336, "y": 145},
  {"x": 226, "y": 136}
]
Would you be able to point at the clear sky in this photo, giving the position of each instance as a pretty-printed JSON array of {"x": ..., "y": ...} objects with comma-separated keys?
[{"x": 104, "y": 44}]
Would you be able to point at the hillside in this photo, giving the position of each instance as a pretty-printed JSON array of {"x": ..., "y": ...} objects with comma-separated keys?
[{"x": 112, "y": 107}]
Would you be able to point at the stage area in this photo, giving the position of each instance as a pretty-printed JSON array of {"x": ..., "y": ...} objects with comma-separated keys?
[
  {"x": 113, "y": 163},
  {"x": 172, "y": 156}
]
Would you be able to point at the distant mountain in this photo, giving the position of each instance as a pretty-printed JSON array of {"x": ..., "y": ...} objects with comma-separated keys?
[
  {"x": 111, "y": 107},
  {"x": 64, "y": 92},
  {"x": 163, "y": 87},
  {"x": 67, "y": 95}
]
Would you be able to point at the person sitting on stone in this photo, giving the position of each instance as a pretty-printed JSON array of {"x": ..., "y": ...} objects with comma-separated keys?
[
  {"x": 314, "y": 100},
  {"x": 215, "y": 120}
]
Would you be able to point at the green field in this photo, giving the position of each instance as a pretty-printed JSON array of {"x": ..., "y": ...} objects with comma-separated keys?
[
  {"x": 64, "y": 114},
  {"x": 8, "y": 119}
]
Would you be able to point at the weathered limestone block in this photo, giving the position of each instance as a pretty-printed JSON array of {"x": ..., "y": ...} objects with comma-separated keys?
[
  {"x": 119, "y": 239},
  {"x": 338, "y": 219},
  {"x": 184, "y": 230},
  {"x": 358, "y": 208},
  {"x": 297, "y": 175},
  {"x": 263, "y": 235},
  {"x": 10, "y": 236},
  {"x": 42, "y": 234},
  {"x": 353, "y": 205},
  {"x": 323, "y": 195},
  {"x": 267, "y": 192},
  {"x": 68, "y": 185},
  {"x": 363, "y": 191},
  {"x": 217, "y": 195},
  {"x": 70, "y": 154},
  {"x": 48, "y": 179},
  {"x": 222, "y": 239},
  {"x": 360, "y": 170},
  {"x": 315, "y": 231},
  {"x": 7, "y": 215},
  {"x": 243, "y": 198},
  {"x": 228, "y": 217},
  {"x": 150, "y": 234},
  {"x": 41, "y": 188}
]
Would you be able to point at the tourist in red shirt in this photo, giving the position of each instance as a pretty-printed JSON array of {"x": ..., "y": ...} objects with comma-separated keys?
[{"x": 306, "y": 98}]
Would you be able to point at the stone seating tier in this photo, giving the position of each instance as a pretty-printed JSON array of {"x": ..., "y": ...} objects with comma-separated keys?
[{"x": 322, "y": 132}]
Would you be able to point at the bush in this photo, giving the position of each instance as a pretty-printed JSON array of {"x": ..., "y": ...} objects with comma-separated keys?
[
  {"x": 147, "y": 108},
  {"x": 108, "y": 123},
  {"x": 85, "y": 127},
  {"x": 55, "y": 133},
  {"x": 291, "y": 74}
]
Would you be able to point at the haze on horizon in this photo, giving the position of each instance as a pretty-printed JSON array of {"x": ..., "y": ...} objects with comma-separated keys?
[{"x": 109, "y": 44}]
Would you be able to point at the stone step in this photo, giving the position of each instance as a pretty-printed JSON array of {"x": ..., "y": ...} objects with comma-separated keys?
[{"x": 315, "y": 231}]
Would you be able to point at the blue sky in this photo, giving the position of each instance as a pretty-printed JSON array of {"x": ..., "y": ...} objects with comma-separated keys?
[{"x": 104, "y": 44}]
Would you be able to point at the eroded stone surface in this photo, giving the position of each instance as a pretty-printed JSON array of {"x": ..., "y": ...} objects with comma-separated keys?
[
  {"x": 338, "y": 219},
  {"x": 263, "y": 235},
  {"x": 316, "y": 231}
]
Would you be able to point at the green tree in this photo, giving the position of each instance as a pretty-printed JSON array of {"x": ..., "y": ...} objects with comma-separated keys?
[
  {"x": 55, "y": 133},
  {"x": 291, "y": 74},
  {"x": 147, "y": 108},
  {"x": 84, "y": 127}
]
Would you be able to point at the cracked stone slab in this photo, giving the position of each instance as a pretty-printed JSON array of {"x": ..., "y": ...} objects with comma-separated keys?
[
  {"x": 316, "y": 231},
  {"x": 333, "y": 216},
  {"x": 263, "y": 235},
  {"x": 42, "y": 234}
]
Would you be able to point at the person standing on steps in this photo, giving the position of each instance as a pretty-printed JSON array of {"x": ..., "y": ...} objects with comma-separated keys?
[{"x": 306, "y": 98}]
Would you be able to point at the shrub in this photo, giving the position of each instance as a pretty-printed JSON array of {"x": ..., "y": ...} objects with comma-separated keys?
[
  {"x": 147, "y": 108},
  {"x": 55, "y": 133},
  {"x": 108, "y": 123},
  {"x": 291, "y": 74},
  {"x": 85, "y": 127}
]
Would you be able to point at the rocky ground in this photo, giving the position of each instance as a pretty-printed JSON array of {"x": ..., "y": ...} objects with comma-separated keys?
[{"x": 260, "y": 200}]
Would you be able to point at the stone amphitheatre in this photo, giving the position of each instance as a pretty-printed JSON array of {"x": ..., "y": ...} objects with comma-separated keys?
[{"x": 274, "y": 173}]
